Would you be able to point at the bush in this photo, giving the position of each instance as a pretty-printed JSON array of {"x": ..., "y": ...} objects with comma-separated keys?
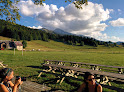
[{"x": 24, "y": 44}]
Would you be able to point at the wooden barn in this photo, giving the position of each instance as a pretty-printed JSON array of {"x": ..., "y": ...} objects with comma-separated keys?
[{"x": 7, "y": 44}]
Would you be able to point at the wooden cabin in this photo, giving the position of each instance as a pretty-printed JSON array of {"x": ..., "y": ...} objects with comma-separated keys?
[{"x": 7, "y": 44}]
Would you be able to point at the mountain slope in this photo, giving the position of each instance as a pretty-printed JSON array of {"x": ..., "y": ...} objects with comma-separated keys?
[{"x": 61, "y": 32}]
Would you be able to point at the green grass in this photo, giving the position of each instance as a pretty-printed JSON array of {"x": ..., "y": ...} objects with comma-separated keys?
[
  {"x": 30, "y": 63},
  {"x": 4, "y": 38}
]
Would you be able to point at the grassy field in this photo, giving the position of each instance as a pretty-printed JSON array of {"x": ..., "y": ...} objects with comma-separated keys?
[{"x": 30, "y": 63}]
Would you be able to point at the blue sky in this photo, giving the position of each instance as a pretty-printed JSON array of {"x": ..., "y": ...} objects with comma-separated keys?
[{"x": 100, "y": 19}]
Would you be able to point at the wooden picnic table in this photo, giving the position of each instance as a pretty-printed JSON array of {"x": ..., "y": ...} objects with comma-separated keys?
[
  {"x": 79, "y": 64},
  {"x": 2, "y": 65},
  {"x": 73, "y": 71},
  {"x": 103, "y": 78},
  {"x": 113, "y": 75}
]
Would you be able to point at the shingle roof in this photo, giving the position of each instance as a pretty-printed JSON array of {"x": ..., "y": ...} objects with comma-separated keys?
[
  {"x": 18, "y": 43},
  {"x": 6, "y": 41}
]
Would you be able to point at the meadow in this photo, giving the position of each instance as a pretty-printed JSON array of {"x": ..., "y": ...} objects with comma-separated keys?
[{"x": 29, "y": 64}]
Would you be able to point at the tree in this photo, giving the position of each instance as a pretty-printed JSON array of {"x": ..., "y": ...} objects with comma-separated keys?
[
  {"x": 123, "y": 44},
  {"x": 30, "y": 38},
  {"x": 45, "y": 37},
  {"x": 9, "y": 9},
  {"x": 95, "y": 44},
  {"x": 17, "y": 38},
  {"x": 35, "y": 37},
  {"x": 24, "y": 44},
  {"x": 115, "y": 44},
  {"x": 81, "y": 43},
  {"x": 78, "y": 3},
  {"x": 106, "y": 44}
]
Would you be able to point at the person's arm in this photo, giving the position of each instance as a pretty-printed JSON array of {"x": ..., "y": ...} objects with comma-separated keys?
[
  {"x": 11, "y": 84},
  {"x": 99, "y": 88},
  {"x": 17, "y": 83},
  {"x": 3, "y": 88},
  {"x": 81, "y": 87},
  {"x": 14, "y": 87}
]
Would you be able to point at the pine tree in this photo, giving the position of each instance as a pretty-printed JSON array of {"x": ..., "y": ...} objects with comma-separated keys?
[
  {"x": 24, "y": 44},
  {"x": 81, "y": 43}
]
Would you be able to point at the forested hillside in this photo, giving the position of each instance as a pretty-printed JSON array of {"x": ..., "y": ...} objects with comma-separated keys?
[{"x": 19, "y": 32}]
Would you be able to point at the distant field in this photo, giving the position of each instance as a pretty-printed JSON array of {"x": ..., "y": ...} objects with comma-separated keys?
[
  {"x": 4, "y": 38},
  {"x": 30, "y": 63}
]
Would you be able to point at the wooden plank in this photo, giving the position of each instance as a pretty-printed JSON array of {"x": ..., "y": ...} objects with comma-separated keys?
[
  {"x": 97, "y": 65},
  {"x": 29, "y": 86},
  {"x": 2, "y": 65},
  {"x": 86, "y": 64}
]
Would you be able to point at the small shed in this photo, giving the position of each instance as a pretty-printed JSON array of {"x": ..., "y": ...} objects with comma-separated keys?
[{"x": 18, "y": 45}]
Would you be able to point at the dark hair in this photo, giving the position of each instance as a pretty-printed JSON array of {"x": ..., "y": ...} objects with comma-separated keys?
[
  {"x": 5, "y": 72},
  {"x": 86, "y": 75}
]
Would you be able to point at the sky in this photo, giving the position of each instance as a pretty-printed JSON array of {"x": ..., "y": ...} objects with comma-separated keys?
[{"x": 100, "y": 19}]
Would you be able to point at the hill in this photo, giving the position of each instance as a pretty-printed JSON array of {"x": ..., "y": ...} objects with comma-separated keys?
[
  {"x": 59, "y": 31},
  {"x": 119, "y": 43},
  {"x": 4, "y": 38},
  {"x": 19, "y": 32},
  {"x": 50, "y": 46},
  {"x": 39, "y": 45}
]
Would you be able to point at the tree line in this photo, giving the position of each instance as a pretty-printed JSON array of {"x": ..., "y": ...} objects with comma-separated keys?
[{"x": 19, "y": 32}]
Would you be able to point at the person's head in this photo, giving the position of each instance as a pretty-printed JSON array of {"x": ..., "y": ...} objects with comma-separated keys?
[
  {"x": 6, "y": 74},
  {"x": 89, "y": 78}
]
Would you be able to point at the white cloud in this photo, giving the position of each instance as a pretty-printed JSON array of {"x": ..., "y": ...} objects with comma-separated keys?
[
  {"x": 28, "y": 8},
  {"x": 88, "y": 21},
  {"x": 119, "y": 10},
  {"x": 111, "y": 10},
  {"x": 118, "y": 22},
  {"x": 34, "y": 27},
  {"x": 105, "y": 37}
]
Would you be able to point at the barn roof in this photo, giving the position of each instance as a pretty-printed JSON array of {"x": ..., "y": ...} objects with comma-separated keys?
[
  {"x": 18, "y": 43},
  {"x": 6, "y": 41}
]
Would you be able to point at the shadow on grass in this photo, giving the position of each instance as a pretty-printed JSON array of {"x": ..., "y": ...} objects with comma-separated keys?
[
  {"x": 76, "y": 85},
  {"x": 40, "y": 67},
  {"x": 67, "y": 80}
]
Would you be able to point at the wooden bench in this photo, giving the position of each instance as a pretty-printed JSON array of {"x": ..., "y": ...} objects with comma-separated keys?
[
  {"x": 98, "y": 66},
  {"x": 119, "y": 69},
  {"x": 2, "y": 65},
  {"x": 56, "y": 62},
  {"x": 29, "y": 86}
]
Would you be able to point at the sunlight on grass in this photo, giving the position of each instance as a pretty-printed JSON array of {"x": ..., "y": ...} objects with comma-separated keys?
[{"x": 30, "y": 63}]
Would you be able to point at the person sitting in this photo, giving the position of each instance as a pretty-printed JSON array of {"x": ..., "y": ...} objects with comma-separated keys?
[
  {"x": 6, "y": 85},
  {"x": 90, "y": 85}
]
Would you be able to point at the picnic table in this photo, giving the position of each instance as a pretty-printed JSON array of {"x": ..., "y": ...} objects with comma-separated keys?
[
  {"x": 119, "y": 69},
  {"x": 103, "y": 78},
  {"x": 75, "y": 69}
]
